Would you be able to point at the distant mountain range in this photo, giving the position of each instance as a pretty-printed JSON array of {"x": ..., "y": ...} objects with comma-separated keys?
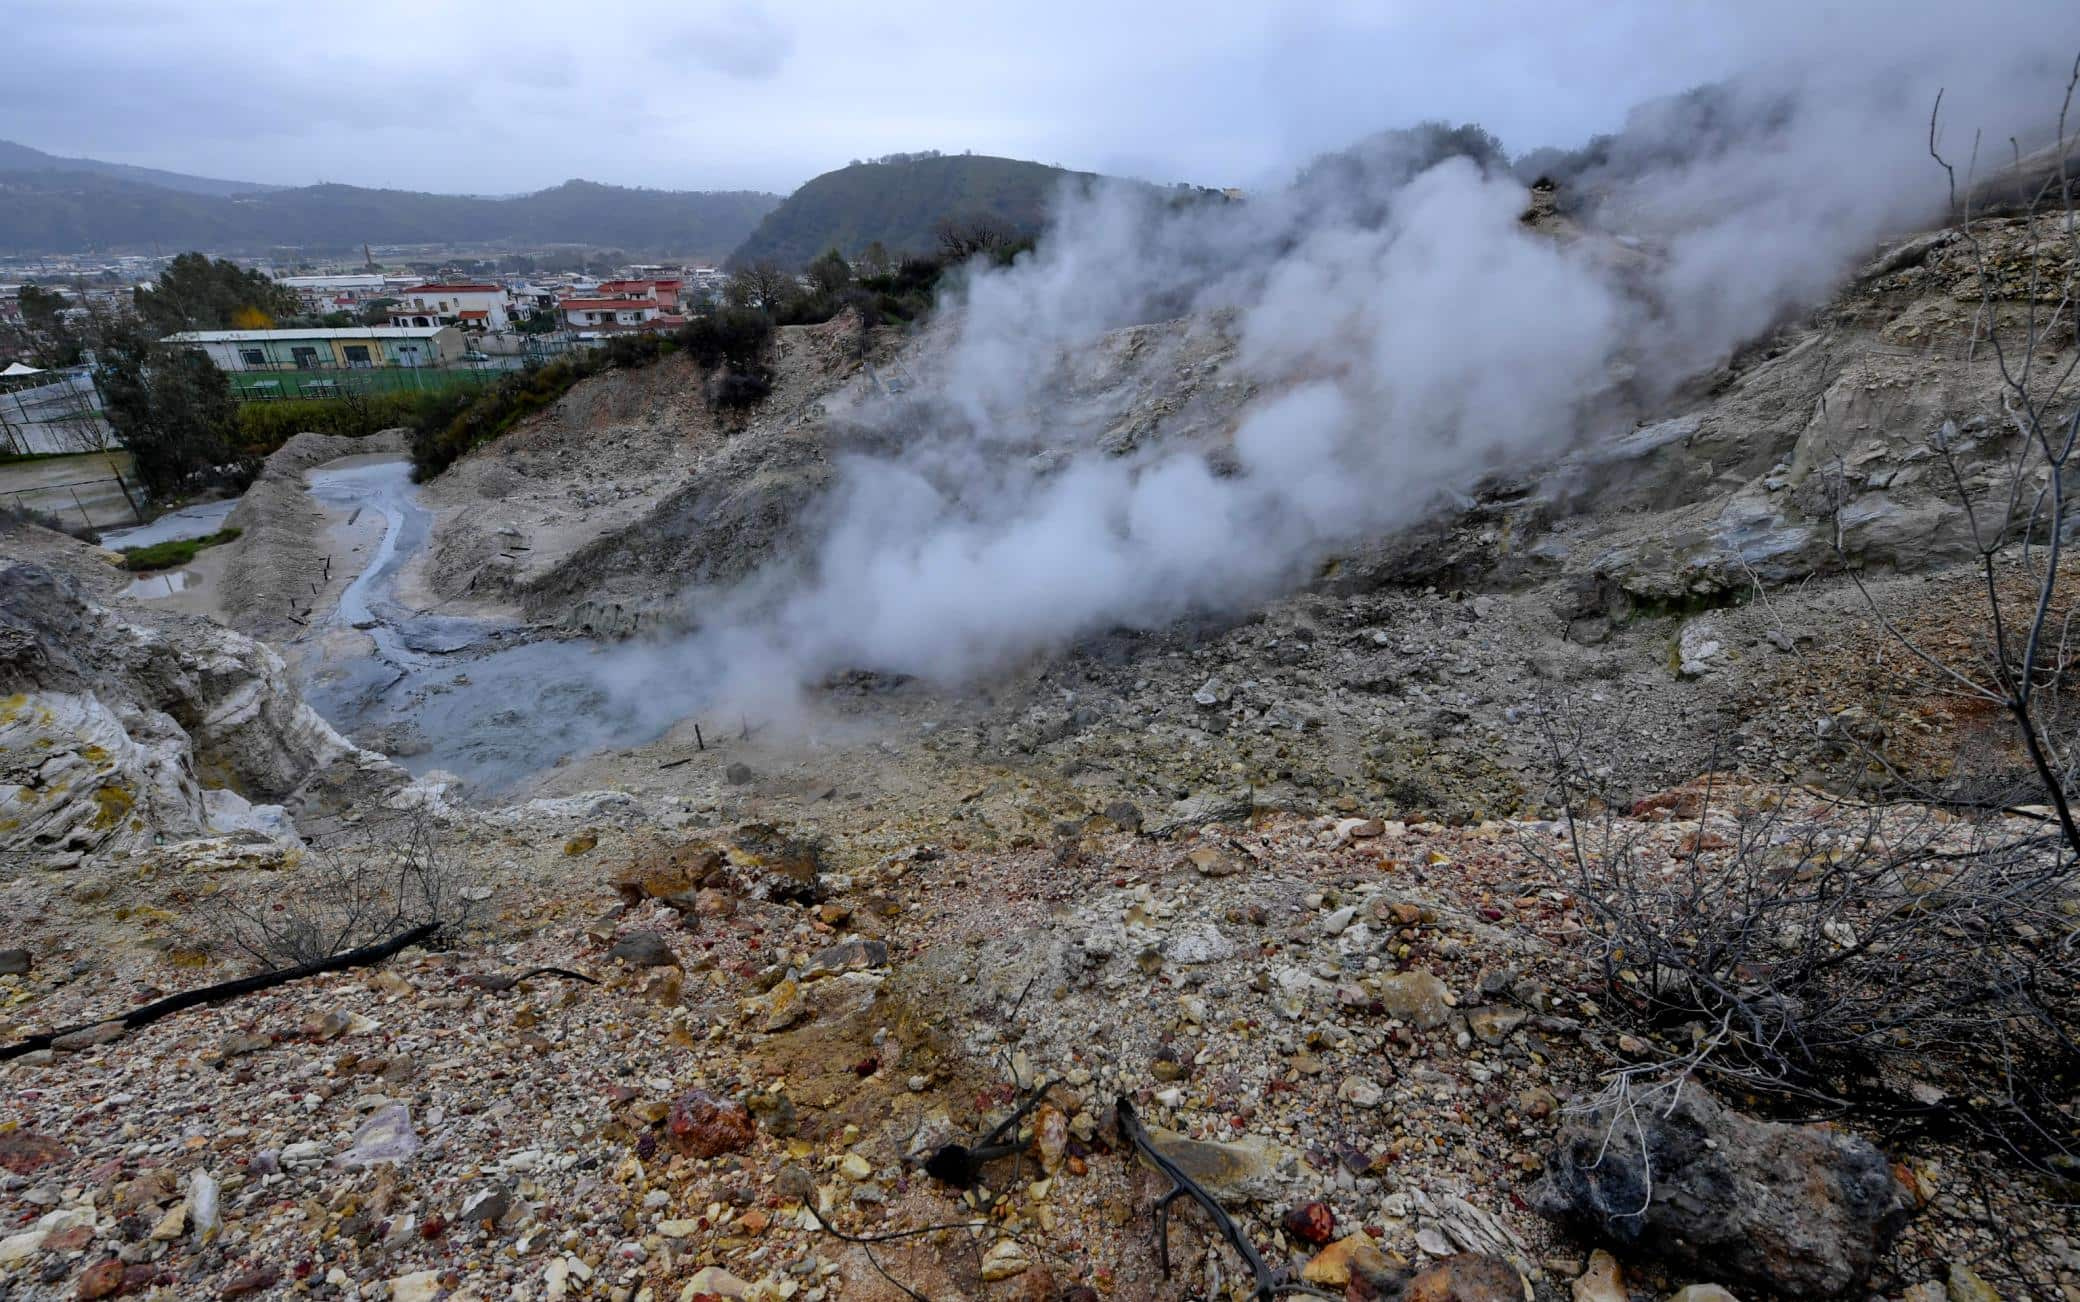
[
  {"x": 899, "y": 203},
  {"x": 75, "y": 205},
  {"x": 21, "y": 158}
]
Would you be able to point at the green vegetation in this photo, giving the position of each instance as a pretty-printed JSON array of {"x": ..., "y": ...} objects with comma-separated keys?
[
  {"x": 171, "y": 407},
  {"x": 901, "y": 204},
  {"x": 265, "y": 426},
  {"x": 194, "y": 293},
  {"x": 167, "y": 555},
  {"x": 55, "y": 211}
]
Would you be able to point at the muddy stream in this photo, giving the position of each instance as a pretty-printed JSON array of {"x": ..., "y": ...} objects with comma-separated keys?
[{"x": 489, "y": 702}]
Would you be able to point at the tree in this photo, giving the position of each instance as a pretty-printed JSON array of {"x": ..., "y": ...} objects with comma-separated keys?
[
  {"x": 761, "y": 284},
  {"x": 43, "y": 312},
  {"x": 196, "y": 293},
  {"x": 376, "y": 311},
  {"x": 170, "y": 405},
  {"x": 980, "y": 234},
  {"x": 874, "y": 260},
  {"x": 830, "y": 273}
]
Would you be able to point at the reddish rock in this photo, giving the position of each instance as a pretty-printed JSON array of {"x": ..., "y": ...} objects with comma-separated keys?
[
  {"x": 1468, "y": 1277},
  {"x": 23, "y": 1151},
  {"x": 102, "y": 1279},
  {"x": 253, "y": 1281},
  {"x": 1311, "y": 1223},
  {"x": 70, "y": 1239},
  {"x": 701, "y": 1125}
]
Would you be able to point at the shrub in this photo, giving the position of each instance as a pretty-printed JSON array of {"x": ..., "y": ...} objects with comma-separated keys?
[{"x": 178, "y": 551}]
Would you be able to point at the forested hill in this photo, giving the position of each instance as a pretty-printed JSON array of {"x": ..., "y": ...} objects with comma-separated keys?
[
  {"x": 59, "y": 211},
  {"x": 900, "y": 202}
]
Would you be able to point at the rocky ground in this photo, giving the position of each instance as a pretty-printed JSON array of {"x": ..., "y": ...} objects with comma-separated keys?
[{"x": 1289, "y": 885}]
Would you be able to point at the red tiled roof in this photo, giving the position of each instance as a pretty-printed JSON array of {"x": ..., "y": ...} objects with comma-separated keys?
[
  {"x": 603, "y": 304},
  {"x": 474, "y": 314}
]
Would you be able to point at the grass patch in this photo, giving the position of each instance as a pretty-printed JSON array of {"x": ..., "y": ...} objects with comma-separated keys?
[{"x": 167, "y": 555}]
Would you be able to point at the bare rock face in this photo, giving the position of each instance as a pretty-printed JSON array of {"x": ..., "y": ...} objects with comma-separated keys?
[
  {"x": 1802, "y": 1210},
  {"x": 121, "y": 730}
]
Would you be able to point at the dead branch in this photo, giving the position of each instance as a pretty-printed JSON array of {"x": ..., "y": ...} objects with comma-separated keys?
[
  {"x": 1134, "y": 1133},
  {"x": 152, "y": 1012}
]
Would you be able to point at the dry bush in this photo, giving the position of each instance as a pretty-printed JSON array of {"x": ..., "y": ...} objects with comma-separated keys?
[
  {"x": 1916, "y": 964},
  {"x": 391, "y": 876}
]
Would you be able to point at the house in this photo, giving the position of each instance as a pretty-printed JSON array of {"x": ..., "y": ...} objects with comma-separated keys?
[
  {"x": 353, "y": 348},
  {"x": 615, "y": 305},
  {"x": 609, "y": 314},
  {"x": 665, "y": 292},
  {"x": 322, "y": 294},
  {"x": 469, "y": 306}
]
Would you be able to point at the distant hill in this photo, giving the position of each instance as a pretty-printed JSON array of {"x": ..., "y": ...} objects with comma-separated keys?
[
  {"x": 899, "y": 203},
  {"x": 74, "y": 211},
  {"x": 21, "y": 158}
]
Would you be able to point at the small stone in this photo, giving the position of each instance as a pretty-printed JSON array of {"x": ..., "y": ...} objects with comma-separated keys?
[
  {"x": 1418, "y": 998},
  {"x": 489, "y": 1202},
  {"x": 1005, "y": 1258},
  {"x": 1493, "y": 1025},
  {"x": 14, "y": 962},
  {"x": 701, "y": 1125},
  {"x": 1964, "y": 1285},
  {"x": 1311, "y": 1222},
  {"x": 257, "y": 1280},
  {"x": 1211, "y": 861},
  {"x": 1353, "y": 1255},
  {"x": 1468, "y": 1277},
  {"x": 90, "y": 1037},
  {"x": 102, "y": 1279},
  {"x": 387, "y": 1136},
  {"x": 18, "y": 1248},
  {"x": 738, "y": 775},
  {"x": 1707, "y": 1293},
  {"x": 1602, "y": 1282},
  {"x": 24, "y": 1151},
  {"x": 644, "y": 949},
  {"x": 327, "y": 1026},
  {"x": 715, "y": 1281},
  {"x": 171, "y": 1224},
  {"x": 418, "y": 1286},
  {"x": 1360, "y": 1091},
  {"x": 856, "y": 1167},
  {"x": 847, "y": 956},
  {"x": 1336, "y": 922}
]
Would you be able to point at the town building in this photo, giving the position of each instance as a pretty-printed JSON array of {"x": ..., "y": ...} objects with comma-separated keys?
[
  {"x": 620, "y": 305},
  {"x": 475, "y": 306},
  {"x": 350, "y": 293},
  {"x": 350, "y": 348}
]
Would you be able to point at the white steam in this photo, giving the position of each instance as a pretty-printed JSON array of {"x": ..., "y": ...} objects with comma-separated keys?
[{"x": 1404, "y": 333}]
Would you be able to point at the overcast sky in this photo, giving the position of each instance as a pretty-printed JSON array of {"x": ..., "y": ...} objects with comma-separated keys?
[{"x": 499, "y": 96}]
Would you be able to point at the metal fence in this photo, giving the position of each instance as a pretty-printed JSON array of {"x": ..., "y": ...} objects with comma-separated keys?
[{"x": 58, "y": 414}]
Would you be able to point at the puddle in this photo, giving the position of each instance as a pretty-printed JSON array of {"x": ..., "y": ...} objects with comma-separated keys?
[
  {"x": 159, "y": 585},
  {"x": 197, "y": 521}
]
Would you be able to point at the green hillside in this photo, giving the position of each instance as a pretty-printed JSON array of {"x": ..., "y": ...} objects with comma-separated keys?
[
  {"x": 900, "y": 202},
  {"x": 52, "y": 211}
]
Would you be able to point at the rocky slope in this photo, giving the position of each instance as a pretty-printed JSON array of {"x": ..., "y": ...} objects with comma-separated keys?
[{"x": 126, "y": 728}]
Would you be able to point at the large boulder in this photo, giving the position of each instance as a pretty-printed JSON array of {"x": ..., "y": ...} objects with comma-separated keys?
[{"x": 1802, "y": 1210}]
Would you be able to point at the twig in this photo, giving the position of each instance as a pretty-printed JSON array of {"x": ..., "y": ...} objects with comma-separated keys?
[
  {"x": 1182, "y": 1185},
  {"x": 152, "y": 1012}
]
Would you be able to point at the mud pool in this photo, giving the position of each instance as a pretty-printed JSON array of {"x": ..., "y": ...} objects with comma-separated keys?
[{"x": 488, "y": 702}]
